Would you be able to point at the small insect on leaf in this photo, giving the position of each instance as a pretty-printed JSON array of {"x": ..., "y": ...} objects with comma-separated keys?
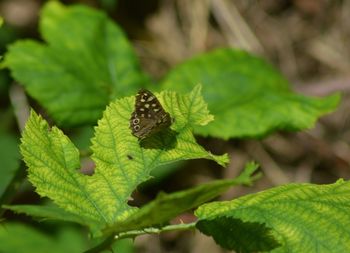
[{"x": 149, "y": 117}]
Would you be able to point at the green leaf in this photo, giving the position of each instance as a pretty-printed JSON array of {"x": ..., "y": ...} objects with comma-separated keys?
[
  {"x": 19, "y": 238},
  {"x": 71, "y": 239},
  {"x": 234, "y": 234},
  {"x": 122, "y": 162},
  {"x": 52, "y": 162},
  {"x": 123, "y": 246},
  {"x": 52, "y": 212},
  {"x": 301, "y": 217},
  {"x": 86, "y": 62},
  {"x": 112, "y": 245},
  {"x": 9, "y": 157},
  {"x": 82, "y": 138},
  {"x": 168, "y": 206},
  {"x": 247, "y": 96}
]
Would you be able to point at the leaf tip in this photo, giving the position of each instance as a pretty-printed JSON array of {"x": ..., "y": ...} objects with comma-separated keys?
[
  {"x": 222, "y": 160},
  {"x": 340, "y": 181}
]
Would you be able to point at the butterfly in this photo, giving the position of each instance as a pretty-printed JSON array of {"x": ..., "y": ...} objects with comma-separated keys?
[{"x": 149, "y": 117}]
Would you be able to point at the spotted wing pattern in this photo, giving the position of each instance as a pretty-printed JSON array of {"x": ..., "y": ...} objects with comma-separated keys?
[{"x": 149, "y": 116}]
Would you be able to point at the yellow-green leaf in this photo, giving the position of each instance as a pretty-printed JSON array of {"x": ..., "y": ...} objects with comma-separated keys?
[
  {"x": 122, "y": 162},
  {"x": 291, "y": 218}
]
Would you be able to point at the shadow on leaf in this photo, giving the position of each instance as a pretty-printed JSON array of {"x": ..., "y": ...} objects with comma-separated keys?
[
  {"x": 234, "y": 234},
  {"x": 165, "y": 139}
]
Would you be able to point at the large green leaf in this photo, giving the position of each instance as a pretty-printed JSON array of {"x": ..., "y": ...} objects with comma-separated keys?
[
  {"x": 9, "y": 161},
  {"x": 168, "y": 206},
  {"x": 52, "y": 212},
  {"x": 157, "y": 212},
  {"x": 247, "y": 96},
  {"x": 241, "y": 236},
  {"x": 86, "y": 62},
  {"x": 122, "y": 162},
  {"x": 20, "y": 238},
  {"x": 296, "y": 217}
]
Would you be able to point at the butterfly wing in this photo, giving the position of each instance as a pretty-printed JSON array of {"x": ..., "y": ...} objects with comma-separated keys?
[
  {"x": 141, "y": 127},
  {"x": 149, "y": 116}
]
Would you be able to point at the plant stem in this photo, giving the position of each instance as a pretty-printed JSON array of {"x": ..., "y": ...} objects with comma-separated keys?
[
  {"x": 105, "y": 244},
  {"x": 135, "y": 233}
]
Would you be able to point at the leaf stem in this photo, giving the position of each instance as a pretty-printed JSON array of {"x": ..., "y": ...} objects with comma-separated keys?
[
  {"x": 105, "y": 244},
  {"x": 154, "y": 230}
]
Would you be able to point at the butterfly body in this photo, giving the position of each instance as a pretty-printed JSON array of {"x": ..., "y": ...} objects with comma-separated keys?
[{"x": 149, "y": 117}]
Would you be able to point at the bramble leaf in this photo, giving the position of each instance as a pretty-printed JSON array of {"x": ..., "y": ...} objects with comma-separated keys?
[
  {"x": 241, "y": 236},
  {"x": 122, "y": 162},
  {"x": 52, "y": 212},
  {"x": 167, "y": 206},
  {"x": 86, "y": 63},
  {"x": 247, "y": 96},
  {"x": 290, "y": 218}
]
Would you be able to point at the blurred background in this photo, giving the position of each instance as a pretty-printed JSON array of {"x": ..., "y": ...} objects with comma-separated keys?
[{"x": 307, "y": 40}]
